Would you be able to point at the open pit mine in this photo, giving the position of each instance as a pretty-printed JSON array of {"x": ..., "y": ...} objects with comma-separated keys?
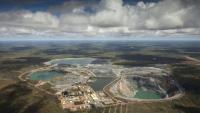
[{"x": 84, "y": 83}]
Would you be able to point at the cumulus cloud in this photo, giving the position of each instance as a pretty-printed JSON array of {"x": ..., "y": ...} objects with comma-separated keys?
[{"x": 166, "y": 17}]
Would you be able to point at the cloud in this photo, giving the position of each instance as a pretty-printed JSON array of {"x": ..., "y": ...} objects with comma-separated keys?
[
  {"x": 29, "y": 19},
  {"x": 112, "y": 17}
]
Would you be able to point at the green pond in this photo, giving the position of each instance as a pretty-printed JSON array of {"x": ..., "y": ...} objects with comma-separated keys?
[
  {"x": 101, "y": 82},
  {"x": 141, "y": 94},
  {"x": 45, "y": 75},
  {"x": 71, "y": 61}
]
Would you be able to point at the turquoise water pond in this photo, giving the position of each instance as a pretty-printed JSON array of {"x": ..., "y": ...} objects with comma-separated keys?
[
  {"x": 45, "y": 75},
  {"x": 141, "y": 94}
]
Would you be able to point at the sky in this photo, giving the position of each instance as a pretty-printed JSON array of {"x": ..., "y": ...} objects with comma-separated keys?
[{"x": 36, "y": 19}]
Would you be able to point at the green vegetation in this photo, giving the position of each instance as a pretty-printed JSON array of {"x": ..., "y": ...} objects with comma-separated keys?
[{"x": 20, "y": 98}]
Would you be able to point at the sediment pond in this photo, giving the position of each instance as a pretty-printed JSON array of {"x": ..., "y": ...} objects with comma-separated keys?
[
  {"x": 45, "y": 75},
  {"x": 72, "y": 61},
  {"x": 101, "y": 82}
]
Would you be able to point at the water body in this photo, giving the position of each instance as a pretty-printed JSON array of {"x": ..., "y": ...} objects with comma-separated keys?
[
  {"x": 45, "y": 75},
  {"x": 101, "y": 82},
  {"x": 73, "y": 61},
  {"x": 141, "y": 94}
]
